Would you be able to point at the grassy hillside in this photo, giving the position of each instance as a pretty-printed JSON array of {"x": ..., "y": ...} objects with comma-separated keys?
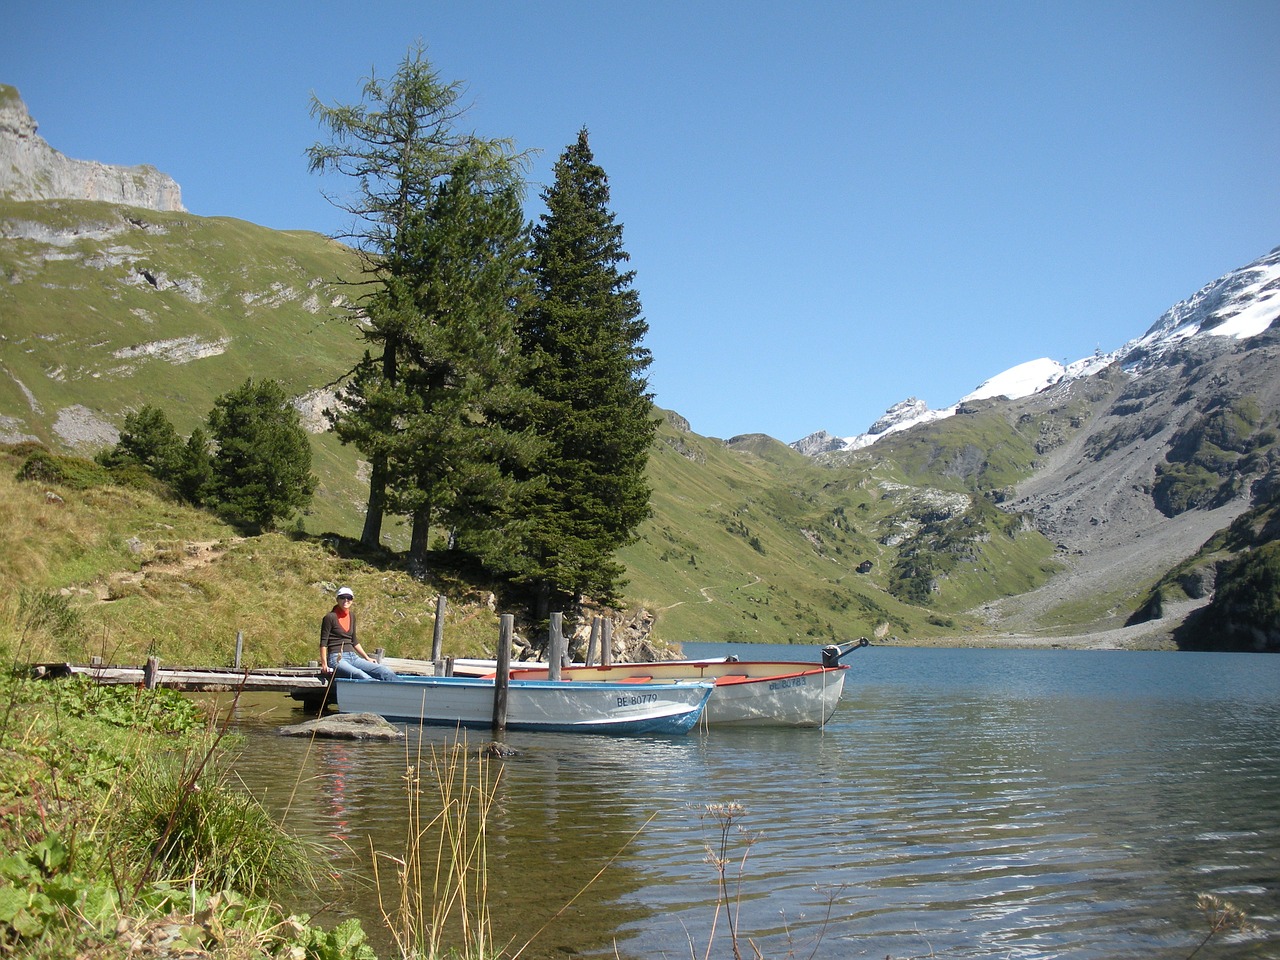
[
  {"x": 752, "y": 541},
  {"x": 125, "y": 574},
  {"x": 108, "y": 308},
  {"x": 141, "y": 304}
]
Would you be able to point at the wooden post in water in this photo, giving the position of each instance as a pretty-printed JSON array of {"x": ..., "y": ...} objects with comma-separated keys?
[
  {"x": 593, "y": 644},
  {"x": 151, "y": 673},
  {"x": 239, "y": 647},
  {"x": 606, "y": 643},
  {"x": 555, "y": 647},
  {"x": 502, "y": 680},
  {"x": 437, "y": 636}
]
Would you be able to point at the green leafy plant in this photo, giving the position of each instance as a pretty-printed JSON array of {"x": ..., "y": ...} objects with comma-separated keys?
[
  {"x": 183, "y": 820},
  {"x": 50, "y": 612}
]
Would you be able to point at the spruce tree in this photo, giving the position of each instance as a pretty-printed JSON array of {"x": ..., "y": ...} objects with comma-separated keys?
[
  {"x": 194, "y": 477},
  {"x": 584, "y": 336},
  {"x": 458, "y": 439},
  {"x": 149, "y": 440},
  {"x": 262, "y": 472}
]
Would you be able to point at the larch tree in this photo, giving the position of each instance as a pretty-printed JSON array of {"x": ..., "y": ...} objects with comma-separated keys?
[
  {"x": 584, "y": 336},
  {"x": 397, "y": 145}
]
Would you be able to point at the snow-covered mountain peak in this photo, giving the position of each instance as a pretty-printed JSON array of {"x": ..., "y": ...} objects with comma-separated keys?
[
  {"x": 1241, "y": 304},
  {"x": 1020, "y": 381}
]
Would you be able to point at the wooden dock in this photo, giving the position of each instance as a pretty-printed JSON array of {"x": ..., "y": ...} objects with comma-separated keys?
[
  {"x": 218, "y": 679},
  {"x": 194, "y": 679},
  {"x": 304, "y": 684}
]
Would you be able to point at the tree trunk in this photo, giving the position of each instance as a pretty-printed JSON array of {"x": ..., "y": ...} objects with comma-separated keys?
[
  {"x": 379, "y": 473},
  {"x": 371, "y": 536},
  {"x": 419, "y": 541}
]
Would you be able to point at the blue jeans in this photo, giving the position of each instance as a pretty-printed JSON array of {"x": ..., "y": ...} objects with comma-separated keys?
[{"x": 351, "y": 666}]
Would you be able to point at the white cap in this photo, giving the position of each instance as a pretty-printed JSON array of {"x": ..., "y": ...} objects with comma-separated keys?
[{"x": 345, "y": 592}]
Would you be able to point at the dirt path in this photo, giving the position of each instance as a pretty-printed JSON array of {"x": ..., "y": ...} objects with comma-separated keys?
[{"x": 192, "y": 555}]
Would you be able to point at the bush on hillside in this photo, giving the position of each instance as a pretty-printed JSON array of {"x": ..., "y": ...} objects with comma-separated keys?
[
  {"x": 1245, "y": 609},
  {"x": 41, "y": 466}
]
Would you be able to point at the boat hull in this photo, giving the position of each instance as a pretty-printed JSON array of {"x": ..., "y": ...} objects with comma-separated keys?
[
  {"x": 762, "y": 693},
  {"x": 591, "y": 707}
]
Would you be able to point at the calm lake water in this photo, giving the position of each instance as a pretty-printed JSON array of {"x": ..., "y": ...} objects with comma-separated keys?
[{"x": 961, "y": 803}]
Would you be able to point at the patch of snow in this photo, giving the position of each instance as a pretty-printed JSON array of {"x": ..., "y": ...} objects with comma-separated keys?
[
  {"x": 1254, "y": 319},
  {"x": 927, "y": 416},
  {"x": 1020, "y": 381}
]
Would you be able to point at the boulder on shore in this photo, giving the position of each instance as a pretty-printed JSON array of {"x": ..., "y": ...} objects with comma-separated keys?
[{"x": 345, "y": 726}]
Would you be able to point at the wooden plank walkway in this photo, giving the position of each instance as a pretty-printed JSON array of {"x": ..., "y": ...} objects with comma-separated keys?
[
  {"x": 304, "y": 683},
  {"x": 283, "y": 679}
]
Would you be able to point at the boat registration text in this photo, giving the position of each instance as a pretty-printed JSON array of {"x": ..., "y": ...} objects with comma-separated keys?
[
  {"x": 637, "y": 699},
  {"x": 788, "y": 683}
]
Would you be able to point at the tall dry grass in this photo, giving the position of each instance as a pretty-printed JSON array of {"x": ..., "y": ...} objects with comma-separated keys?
[
  {"x": 145, "y": 576},
  {"x": 436, "y": 900}
]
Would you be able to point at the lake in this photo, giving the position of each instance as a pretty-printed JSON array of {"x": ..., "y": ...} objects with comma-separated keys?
[{"x": 961, "y": 803}]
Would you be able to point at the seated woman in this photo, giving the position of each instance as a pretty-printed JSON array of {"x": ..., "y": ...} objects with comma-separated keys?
[{"x": 340, "y": 651}]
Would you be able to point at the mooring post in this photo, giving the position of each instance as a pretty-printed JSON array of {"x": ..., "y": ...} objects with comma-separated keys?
[
  {"x": 501, "y": 681},
  {"x": 437, "y": 638},
  {"x": 555, "y": 647},
  {"x": 239, "y": 647},
  {"x": 593, "y": 643},
  {"x": 606, "y": 643},
  {"x": 151, "y": 673}
]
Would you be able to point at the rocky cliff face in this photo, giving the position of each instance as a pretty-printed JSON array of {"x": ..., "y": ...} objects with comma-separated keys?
[{"x": 30, "y": 169}]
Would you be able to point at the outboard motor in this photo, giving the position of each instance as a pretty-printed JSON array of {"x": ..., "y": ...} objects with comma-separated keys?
[{"x": 833, "y": 653}]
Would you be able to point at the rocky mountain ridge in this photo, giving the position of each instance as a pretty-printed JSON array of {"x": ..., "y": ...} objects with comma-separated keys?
[
  {"x": 1142, "y": 455},
  {"x": 30, "y": 169},
  {"x": 1238, "y": 305}
]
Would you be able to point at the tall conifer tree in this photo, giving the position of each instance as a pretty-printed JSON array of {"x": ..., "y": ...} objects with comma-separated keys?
[
  {"x": 584, "y": 336},
  {"x": 397, "y": 145},
  {"x": 457, "y": 442}
]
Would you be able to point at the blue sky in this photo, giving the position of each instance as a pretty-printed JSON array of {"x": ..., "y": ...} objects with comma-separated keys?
[{"x": 829, "y": 206}]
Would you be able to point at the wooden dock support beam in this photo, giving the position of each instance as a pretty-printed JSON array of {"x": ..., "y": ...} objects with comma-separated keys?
[
  {"x": 437, "y": 636},
  {"x": 606, "y": 643},
  {"x": 555, "y": 647},
  {"x": 502, "y": 679}
]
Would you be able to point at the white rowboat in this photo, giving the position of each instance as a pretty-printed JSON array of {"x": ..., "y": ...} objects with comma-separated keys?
[
  {"x": 589, "y": 707},
  {"x": 755, "y": 693}
]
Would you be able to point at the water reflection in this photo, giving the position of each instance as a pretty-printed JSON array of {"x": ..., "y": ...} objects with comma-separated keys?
[{"x": 961, "y": 804}]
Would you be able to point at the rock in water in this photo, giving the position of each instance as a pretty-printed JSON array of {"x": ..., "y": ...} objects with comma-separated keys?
[{"x": 345, "y": 726}]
